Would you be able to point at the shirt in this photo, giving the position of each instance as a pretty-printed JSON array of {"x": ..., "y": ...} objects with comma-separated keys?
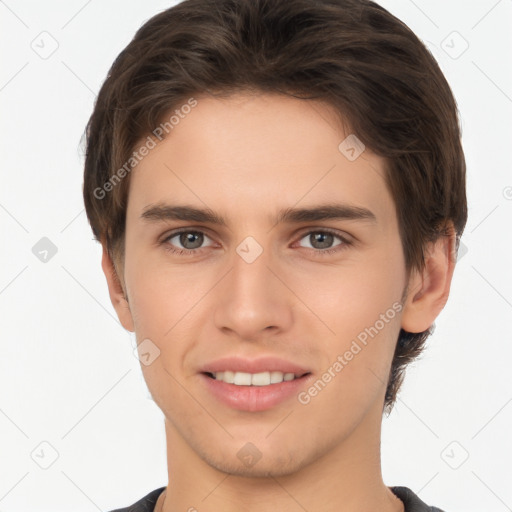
[{"x": 411, "y": 501}]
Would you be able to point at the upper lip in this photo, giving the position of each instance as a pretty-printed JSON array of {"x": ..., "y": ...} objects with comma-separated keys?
[{"x": 261, "y": 364}]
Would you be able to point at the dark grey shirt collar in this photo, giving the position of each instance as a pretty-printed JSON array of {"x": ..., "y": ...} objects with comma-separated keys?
[{"x": 412, "y": 502}]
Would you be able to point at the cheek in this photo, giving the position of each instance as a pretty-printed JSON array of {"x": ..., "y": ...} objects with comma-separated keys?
[
  {"x": 160, "y": 294},
  {"x": 353, "y": 297},
  {"x": 165, "y": 304},
  {"x": 367, "y": 323},
  {"x": 371, "y": 304},
  {"x": 162, "y": 306},
  {"x": 364, "y": 312}
]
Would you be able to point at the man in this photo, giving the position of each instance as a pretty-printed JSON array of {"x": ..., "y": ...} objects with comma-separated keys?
[{"x": 279, "y": 189}]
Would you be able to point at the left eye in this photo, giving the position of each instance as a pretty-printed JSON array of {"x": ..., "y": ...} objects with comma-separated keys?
[
  {"x": 189, "y": 240},
  {"x": 321, "y": 239}
]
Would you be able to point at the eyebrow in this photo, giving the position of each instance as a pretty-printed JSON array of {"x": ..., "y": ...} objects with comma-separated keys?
[{"x": 161, "y": 212}]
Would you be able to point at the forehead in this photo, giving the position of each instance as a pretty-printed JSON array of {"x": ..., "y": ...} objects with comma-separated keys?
[{"x": 257, "y": 152}]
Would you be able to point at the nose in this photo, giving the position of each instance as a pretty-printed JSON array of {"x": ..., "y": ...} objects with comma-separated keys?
[{"x": 253, "y": 301}]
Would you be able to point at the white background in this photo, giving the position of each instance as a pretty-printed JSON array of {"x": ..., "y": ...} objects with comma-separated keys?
[{"x": 68, "y": 376}]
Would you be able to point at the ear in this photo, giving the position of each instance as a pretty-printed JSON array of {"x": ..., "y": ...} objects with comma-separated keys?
[
  {"x": 428, "y": 290},
  {"x": 116, "y": 292}
]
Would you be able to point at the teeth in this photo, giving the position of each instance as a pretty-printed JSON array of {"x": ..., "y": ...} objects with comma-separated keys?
[
  {"x": 228, "y": 377},
  {"x": 242, "y": 379},
  {"x": 253, "y": 379},
  {"x": 260, "y": 379},
  {"x": 276, "y": 377}
]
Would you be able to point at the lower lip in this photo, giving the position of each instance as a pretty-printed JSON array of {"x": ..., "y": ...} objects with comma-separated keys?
[{"x": 253, "y": 398}]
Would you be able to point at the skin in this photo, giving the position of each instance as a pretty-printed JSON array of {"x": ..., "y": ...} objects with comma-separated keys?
[{"x": 245, "y": 158}]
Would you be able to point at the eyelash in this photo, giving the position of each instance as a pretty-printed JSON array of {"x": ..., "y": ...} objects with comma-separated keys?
[{"x": 322, "y": 252}]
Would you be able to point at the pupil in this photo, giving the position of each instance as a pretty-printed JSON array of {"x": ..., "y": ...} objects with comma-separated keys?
[
  {"x": 325, "y": 240},
  {"x": 195, "y": 239}
]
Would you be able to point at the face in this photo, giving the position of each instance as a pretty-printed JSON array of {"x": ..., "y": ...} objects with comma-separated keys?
[{"x": 255, "y": 247}]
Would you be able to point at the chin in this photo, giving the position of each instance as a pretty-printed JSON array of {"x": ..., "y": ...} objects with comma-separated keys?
[{"x": 274, "y": 465}]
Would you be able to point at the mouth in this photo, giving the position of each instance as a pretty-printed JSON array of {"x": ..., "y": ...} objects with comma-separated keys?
[
  {"x": 265, "y": 378},
  {"x": 253, "y": 384},
  {"x": 254, "y": 392}
]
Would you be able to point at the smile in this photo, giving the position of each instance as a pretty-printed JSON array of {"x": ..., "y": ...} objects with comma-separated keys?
[{"x": 267, "y": 378}]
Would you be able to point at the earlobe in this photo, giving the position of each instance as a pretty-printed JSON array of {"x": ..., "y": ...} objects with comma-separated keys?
[
  {"x": 117, "y": 293},
  {"x": 429, "y": 289}
]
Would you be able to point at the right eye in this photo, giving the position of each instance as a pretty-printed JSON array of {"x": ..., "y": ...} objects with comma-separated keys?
[{"x": 190, "y": 241}]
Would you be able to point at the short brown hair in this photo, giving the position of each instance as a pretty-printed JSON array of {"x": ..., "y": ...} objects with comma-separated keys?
[{"x": 353, "y": 54}]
